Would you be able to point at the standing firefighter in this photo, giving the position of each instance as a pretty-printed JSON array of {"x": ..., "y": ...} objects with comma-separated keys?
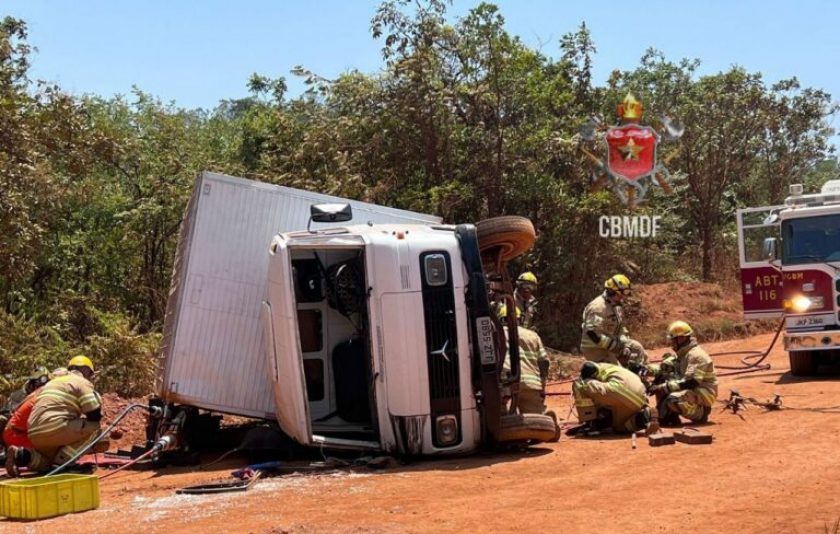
[
  {"x": 65, "y": 417},
  {"x": 526, "y": 286},
  {"x": 692, "y": 391},
  {"x": 610, "y": 396},
  {"x": 533, "y": 370},
  {"x": 604, "y": 337}
]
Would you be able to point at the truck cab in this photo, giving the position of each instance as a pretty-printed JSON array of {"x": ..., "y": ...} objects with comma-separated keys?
[
  {"x": 790, "y": 269},
  {"x": 381, "y": 337}
]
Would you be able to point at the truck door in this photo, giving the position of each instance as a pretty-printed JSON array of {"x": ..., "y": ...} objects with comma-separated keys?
[
  {"x": 287, "y": 378},
  {"x": 761, "y": 280},
  {"x": 284, "y": 350}
]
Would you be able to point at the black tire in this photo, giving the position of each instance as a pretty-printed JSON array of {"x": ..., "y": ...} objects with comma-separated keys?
[
  {"x": 510, "y": 235},
  {"x": 803, "y": 363},
  {"x": 529, "y": 427}
]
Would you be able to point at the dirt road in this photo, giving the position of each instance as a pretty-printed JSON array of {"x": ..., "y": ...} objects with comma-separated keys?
[{"x": 772, "y": 472}]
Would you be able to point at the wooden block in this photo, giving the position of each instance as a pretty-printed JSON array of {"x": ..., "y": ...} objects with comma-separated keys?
[
  {"x": 692, "y": 436},
  {"x": 661, "y": 438}
]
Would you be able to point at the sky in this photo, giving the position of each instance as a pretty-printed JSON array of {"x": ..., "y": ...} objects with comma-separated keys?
[{"x": 198, "y": 53}]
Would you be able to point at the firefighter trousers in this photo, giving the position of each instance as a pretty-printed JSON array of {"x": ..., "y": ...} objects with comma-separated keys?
[
  {"x": 61, "y": 444},
  {"x": 687, "y": 403}
]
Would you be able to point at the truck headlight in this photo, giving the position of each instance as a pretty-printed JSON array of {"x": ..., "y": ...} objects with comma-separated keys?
[
  {"x": 800, "y": 303},
  {"x": 434, "y": 266},
  {"x": 446, "y": 427}
]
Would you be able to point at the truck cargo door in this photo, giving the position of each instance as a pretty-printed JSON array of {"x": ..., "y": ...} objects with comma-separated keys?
[
  {"x": 286, "y": 370},
  {"x": 761, "y": 281}
]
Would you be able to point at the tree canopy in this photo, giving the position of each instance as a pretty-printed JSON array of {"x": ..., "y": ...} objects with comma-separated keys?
[{"x": 462, "y": 120}]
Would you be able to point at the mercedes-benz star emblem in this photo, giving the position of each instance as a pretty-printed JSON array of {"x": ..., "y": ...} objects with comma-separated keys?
[{"x": 442, "y": 351}]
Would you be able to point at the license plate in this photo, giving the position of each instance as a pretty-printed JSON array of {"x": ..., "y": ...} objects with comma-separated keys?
[
  {"x": 814, "y": 320},
  {"x": 486, "y": 343}
]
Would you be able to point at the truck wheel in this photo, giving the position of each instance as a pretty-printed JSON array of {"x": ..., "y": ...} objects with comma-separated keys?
[
  {"x": 802, "y": 363},
  {"x": 530, "y": 427},
  {"x": 511, "y": 235}
]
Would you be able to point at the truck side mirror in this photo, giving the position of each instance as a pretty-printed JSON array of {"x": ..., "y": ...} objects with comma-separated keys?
[
  {"x": 327, "y": 213},
  {"x": 770, "y": 248}
]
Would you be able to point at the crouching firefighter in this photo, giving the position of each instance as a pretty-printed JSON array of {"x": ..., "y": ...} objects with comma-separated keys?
[
  {"x": 65, "y": 417},
  {"x": 692, "y": 390},
  {"x": 609, "y": 396}
]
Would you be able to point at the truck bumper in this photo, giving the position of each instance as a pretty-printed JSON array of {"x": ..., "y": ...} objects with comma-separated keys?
[{"x": 818, "y": 340}]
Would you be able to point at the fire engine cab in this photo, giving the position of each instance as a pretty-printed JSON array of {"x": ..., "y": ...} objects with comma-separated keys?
[{"x": 790, "y": 268}]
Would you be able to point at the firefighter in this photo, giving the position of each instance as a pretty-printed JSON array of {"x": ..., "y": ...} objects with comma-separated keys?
[
  {"x": 17, "y": 431},
  {"x": 604, "y": 337},
  {"x": 526, "y": 286},
  {"x": 608, "y": 396},
  {"x": 533, "y": 370},
  {"x": 38, "y": 379},
  {"x": 692, "y": 391},
  {"x": 65, "y": 417}
]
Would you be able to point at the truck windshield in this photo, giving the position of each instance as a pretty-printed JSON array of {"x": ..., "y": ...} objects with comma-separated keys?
[{"x": 811, "y": 240}]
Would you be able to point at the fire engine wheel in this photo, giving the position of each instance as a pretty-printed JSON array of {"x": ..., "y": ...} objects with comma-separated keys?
[
  {"x": 510, "y": 236},
  {"x": 803, "y": 363},
  {"x": 529, "y": 427}
]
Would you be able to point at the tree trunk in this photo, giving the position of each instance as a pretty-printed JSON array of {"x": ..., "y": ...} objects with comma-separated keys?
[{"x": 707, "y": 245}]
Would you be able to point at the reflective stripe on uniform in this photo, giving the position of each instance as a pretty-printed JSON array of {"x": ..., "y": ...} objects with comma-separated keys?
[
  {"x": 709, "y": 397},
  {"x": 634, "y": 398},
  {"x": 60, "y": 395},
  {"x": 88, "y": 402}
]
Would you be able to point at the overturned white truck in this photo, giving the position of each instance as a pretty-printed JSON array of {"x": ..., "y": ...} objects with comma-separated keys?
[{"x": 377, "y": 336}]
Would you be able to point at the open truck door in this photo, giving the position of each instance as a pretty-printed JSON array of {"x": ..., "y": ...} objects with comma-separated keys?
[
  {"x": 284, "y": 349},
  {"x": 761, "y": 277}
]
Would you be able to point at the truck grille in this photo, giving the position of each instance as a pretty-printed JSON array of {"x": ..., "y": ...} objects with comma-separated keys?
[{"x": 441, "y": 344}]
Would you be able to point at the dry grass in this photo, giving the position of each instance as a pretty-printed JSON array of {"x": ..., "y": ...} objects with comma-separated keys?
[
  {"x": 563, "y": 365},
  {"x": 713, "y": 311}
]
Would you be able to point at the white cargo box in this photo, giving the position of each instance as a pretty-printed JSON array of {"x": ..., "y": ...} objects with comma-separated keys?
[{"x": 213, "y": 351}]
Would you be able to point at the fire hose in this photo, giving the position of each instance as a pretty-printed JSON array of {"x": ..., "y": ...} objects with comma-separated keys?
[
  {"x": 153, "y": 410},
  {"x": 132, "y": 462},
  {"x": 749, "y": 366}
]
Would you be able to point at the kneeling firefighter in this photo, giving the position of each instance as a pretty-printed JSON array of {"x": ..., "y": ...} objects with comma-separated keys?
[
  {"x": 610, "y": 396},
  {"x": 692, "y": 391},
  {"x": 65, "y": 417},
  {"x": 605, "y": 337}
]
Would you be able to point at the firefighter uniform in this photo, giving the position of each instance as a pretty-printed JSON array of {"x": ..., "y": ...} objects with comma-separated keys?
[
  {"x": 528, "y": 308},
  {"x": 605, "y": 337},
  {"x": 616, "y": 389},
  {"x": 693, "y": 392},
  {"x": 57, "y": 429},
  {"x": 531, "y": 353}
]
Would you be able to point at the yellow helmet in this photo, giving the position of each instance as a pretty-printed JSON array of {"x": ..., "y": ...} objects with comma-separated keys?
[
  {"x": 618, "y": 283},
  {"x": 679, "y": 329},
  {"x": 81, "y": 361},
  {"x": 503, "y": 312},
  {"x": 527, "y": 277}
]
